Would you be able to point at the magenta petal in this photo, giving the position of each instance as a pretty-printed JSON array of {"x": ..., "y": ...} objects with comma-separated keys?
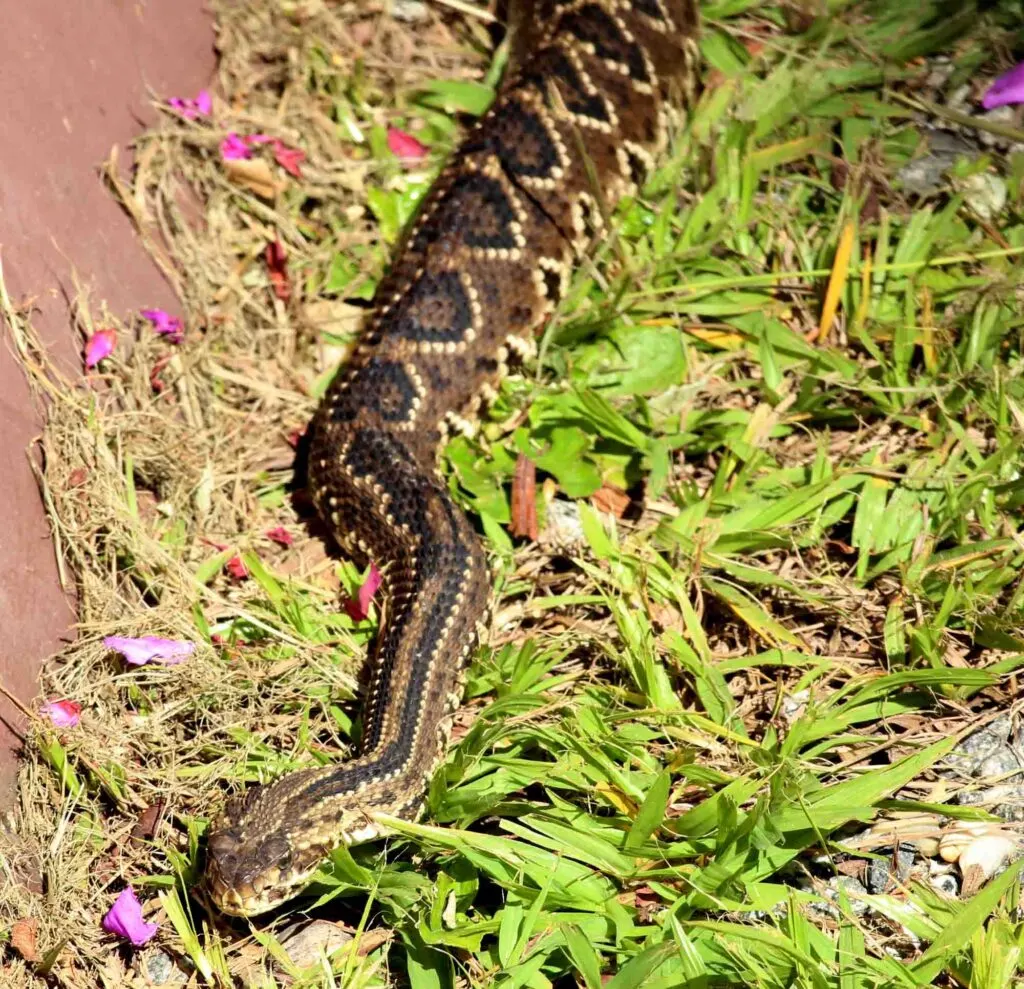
[
  {"x": 165, "y": 324},
  {"x": 98, "y": 346},
  {"x": 1008, "y": 88},
  {"x": 63, "y": 714},
  {"x": 150, "y": 649},
  {"x": 358, "y": 608},
  {"x": 124, "y": 919},
  {"x": 201, "y": 106},
  {"x": 233, "y": 147}
]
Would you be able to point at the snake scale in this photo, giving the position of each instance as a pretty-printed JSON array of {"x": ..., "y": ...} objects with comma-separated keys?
[{"x": 573, "y": 128}]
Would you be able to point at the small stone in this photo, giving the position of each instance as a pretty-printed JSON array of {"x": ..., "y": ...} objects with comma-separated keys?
[
  {"x": 563, "y": 528},
  {"x": 1005, "y": 115},
  {"x": 1005, "y": 800},
  {"x": 794, "y": 705},
  {"x": 946, "y": 884},
  {"x": 941, "y": 70},
  {"x": 1001, "y": 763},
  {"x": 976, "y": 747},
  {"x": 987, "y": 854},
  {"x": 855, "y": 891},
  {"x": 308, "y": 944},
  {"x": 985, "y": 193},
  {"x": 960, "y": 99},
  {"x": 409, "y": 11},
  {"x": 883, "y": 875},
  {"x": 159, "y": 969},
  {"x": 926, "y": 174}
]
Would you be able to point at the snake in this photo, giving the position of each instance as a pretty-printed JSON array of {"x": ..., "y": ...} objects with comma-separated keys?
[{"x": 584, "y": 108}]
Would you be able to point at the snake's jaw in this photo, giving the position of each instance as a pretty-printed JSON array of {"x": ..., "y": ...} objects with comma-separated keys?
[
  {"x": 258, "y": 855},
  {"x": 250, "y": 875}
]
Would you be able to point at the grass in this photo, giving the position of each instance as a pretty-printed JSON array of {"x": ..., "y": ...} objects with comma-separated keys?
[{"x": 777, "y": 427}]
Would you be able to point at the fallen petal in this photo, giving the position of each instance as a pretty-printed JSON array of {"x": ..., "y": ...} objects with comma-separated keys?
[
  {"x": 98, "y": 346},
  {"x": 280, "y": 535},
  {"x": 236, "y": 568},
  {"x": 63, "y": 714},
  {"x": 359, "y": 607},
  {"x": 234, "y": 148},
  {"x": 150, "y": 649},
  {"x": 201, "y": 106},
  {"x": 1007, "y": 88},
  {"x": 277, "y": 265},
  {"x": 124, "y": 919},
  {"x": 165, "y": 324},
  {"x": 289, "y": 158},
  {"x": 404, "y": 145}
]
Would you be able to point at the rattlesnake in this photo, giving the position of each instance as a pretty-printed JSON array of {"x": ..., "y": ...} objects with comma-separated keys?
[{"x": 484, "y": 263}]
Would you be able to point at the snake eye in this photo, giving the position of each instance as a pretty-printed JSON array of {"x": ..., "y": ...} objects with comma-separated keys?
[
  {"x": 274, "y": 851},
  {"x": 222, "y": 844}
]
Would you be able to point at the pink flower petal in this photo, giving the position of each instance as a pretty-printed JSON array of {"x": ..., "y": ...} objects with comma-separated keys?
[
  {"x": 236, "y": 568},
  {"x": 165, "y": 324},
  {"x": 359, "y": 607},
  {"x": 289, "y": 158},
  {"x": 234, "y": 147},
  {"x": 201, "y": 106},
  {"x": 280, "y": 535},
  {"x": 150, "y": 649},
  {"x": 404, "y": 145},
  {"x": 98, "y": 346},
  {"x": 63, "y": 714},
  {"x": 1008, "y": 88},
  {"x": 124, "y": 919}
]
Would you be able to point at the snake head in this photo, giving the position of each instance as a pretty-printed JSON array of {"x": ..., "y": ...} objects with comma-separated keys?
[
  {"x": 267, "y": 844},
  {"x": 244, "y": 874}
]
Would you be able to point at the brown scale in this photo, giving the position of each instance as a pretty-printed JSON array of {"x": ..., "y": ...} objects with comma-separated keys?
[{"x": 483, "y": 263}]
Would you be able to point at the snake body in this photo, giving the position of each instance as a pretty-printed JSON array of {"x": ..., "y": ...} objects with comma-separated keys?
[{"x": 486, "y": 260}]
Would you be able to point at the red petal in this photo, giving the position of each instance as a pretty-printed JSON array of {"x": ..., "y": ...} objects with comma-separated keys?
[
  {"x": 277, "y": 265},
  {"x": 404, "y": 145},
  {"x": 358, "y": 608},
  {"x": 289, "y": 158},
  {"x": 280, "y": 535},
  {"x": 236, "y": 568}
]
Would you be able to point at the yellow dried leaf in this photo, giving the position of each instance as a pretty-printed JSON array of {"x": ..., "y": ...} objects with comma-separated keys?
[{"x": 254, "y": 174}]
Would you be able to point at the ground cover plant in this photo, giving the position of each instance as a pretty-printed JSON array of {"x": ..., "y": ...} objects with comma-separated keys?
[{"x": 754, "y": 511}]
